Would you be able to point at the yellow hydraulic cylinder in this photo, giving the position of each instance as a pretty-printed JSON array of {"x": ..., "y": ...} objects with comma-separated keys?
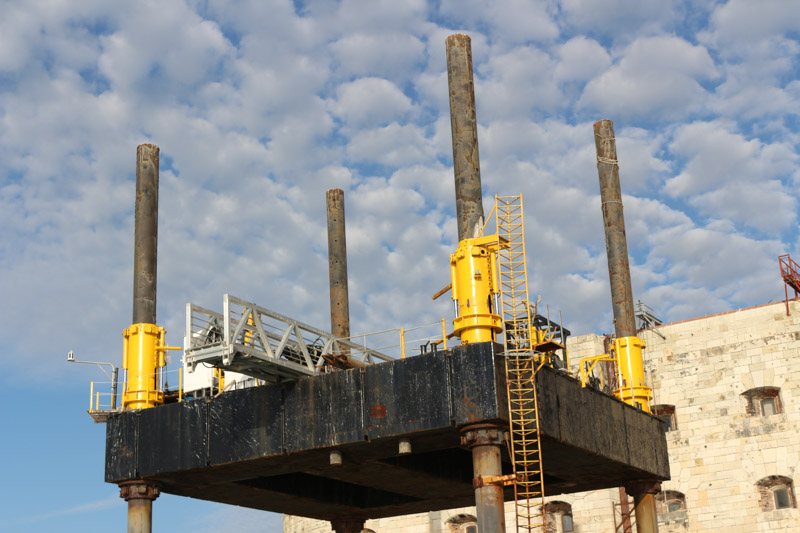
[
  {"x": 632, "y": 389},
  {"x": 473, "y": 272},
  {"x": 142, "y": 359}
]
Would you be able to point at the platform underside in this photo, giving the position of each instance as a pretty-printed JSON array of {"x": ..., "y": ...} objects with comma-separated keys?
[{"x": 269, "y": 447}]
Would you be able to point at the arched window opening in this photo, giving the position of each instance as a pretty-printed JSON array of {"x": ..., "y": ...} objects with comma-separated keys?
[
  {"x": 671, "y": 507},
  {"x": 462, "y": 523},
  {"x": 558, "y": 517},
  {"x": 666, "y": 413},
  {"x": 776, "y": 492},
  {"x": 763, "y": 401}
]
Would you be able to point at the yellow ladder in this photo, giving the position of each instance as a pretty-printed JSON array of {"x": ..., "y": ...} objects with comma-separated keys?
[{"x": 519, "y": 342}]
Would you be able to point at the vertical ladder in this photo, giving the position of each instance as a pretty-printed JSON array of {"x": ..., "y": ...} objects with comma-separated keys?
[{"x": 521, "y": 366}]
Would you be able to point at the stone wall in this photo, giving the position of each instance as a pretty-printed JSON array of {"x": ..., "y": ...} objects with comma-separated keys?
[{"x": 731, "y": 449}]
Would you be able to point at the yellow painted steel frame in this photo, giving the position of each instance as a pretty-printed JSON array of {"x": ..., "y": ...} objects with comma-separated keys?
[
  {"x": 587, "y": 370},
  {"x": 633, "y": 388},
  {"x": 473, "y": 271},
  {"x": 142, "y": 359}
]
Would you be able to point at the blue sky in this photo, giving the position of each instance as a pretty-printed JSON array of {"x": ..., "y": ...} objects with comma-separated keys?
[{"x": 261, "y": 106}]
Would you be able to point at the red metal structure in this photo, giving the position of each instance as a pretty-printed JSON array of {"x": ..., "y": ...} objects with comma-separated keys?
[{"x": 790, "y": 272}]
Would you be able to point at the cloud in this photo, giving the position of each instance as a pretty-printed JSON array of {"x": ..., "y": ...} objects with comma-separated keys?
[
  {"x": 370, "y": 102},
  {"x": 510, "y": 21},
  {"x": 739, "y": 23},
  {"x": 768, "y": 205},
  {"x": 391, "y": 55},
  {"x": 656, "y": 77},
  {"x": 620, "y": 19},
  {"x": 581, "y": 60},
  {"x": 716, "y": 155}
]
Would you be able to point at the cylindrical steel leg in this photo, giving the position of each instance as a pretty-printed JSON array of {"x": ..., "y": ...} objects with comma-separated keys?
[
  {"x": 337, "y": 264},
  {"x": 139, "y": 496},
  {"x": 616, "y": 242},
  {"x": 464, "y": 127},
  {"x": 146, "y": 235},
  {"x": 486, "y": 443},
  {"x": 644, "y": 502}
]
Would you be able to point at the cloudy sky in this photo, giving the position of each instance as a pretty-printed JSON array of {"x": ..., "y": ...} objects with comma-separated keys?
[{"x": 260, "y": 106}]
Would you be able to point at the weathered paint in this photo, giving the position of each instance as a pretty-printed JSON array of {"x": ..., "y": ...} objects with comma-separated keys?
[
  {"x": 145, "y": 235},
  {"x": 464, "y": 128},
  {"x": 269, "y": 447},
  {"x": 614, "y": 224}
]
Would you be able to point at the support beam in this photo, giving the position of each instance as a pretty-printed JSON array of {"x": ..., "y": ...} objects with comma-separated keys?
[
  {"x": 464, "y": 127},
  {"x": 614, "y": 222},
  {"x": 140, "y": 496},
  {"x": 337, "y": 271},
  {"x": 486, "y": 442},
  {"x": 644, "y": 501},
  {"x": 146, "y": 235}
]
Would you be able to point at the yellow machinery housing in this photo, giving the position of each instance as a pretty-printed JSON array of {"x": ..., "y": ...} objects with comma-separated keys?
[
  {"x": 632, "y": 389},
  {"x": 142, "y": 360},
  {"x": 473, "y": 272}
]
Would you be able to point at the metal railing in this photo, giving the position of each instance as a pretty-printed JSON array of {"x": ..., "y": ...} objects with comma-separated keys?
[
  {"x": 264, "y": 344},
  {"x": 103, "y": 401}
]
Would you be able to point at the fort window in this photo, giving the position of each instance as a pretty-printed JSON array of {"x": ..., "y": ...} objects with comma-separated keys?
[
  {"x": 558, "y": 517},
  {"x": 462, "y": 523},
  {"x": 671, "y": 507},
  {"x": 763, "y": 401},
  {"x": 777, "y": 492},
  {"x": 666, "y": 413}
]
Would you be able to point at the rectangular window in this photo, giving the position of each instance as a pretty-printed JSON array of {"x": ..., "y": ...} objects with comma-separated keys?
[
  {"x": 566, "y": 523},
  {"x": 782, "y": 499},
  {"x": 472, "y": 529},
  {"x": 768, "y": 406}
]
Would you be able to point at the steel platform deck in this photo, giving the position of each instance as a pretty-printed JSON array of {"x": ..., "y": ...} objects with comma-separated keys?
[{"x": 268, "y": 447}]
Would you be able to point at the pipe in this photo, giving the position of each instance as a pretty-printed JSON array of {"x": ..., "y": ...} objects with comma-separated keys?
[
  {"x": 614, "y": 222},
  {"x": 644, "y": 502},
  {"x": 146, "y": 235},
  {"x": 632, "y": 387},
  {"x": 486, "y": 443},
  {"x": 464, "y": 127},
  {"x": 140, "y": 496},
  {"x": 337, "y": 264},
  {"x": 337, "y": 271}
]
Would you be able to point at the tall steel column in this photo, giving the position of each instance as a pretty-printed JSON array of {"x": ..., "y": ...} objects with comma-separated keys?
[
  {"x": 464, "y": 127},
  {"x": 337, "y": 264},
  {"x": 486, "y": 443},
  {"x": 337, "y": 270},
  {"x": 139, "y": 496},
  {"x": 616, "y": 243},
  {"x": 621, "y": 293},
  {"x": 146, "y": 235}
]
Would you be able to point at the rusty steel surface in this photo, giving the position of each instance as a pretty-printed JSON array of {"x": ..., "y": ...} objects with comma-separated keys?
[
  {"x": 337, "y": 264},
  {"x": 486, "y": 443},
  {"x": 145, "y": 235},
  {"x": 140, "y": 498},
  {"x": 269, "y": 447},
  {"x": 614, "y": 225},
  {"x": 644, "y": 504},
  {"x": 464, "y": 128}
]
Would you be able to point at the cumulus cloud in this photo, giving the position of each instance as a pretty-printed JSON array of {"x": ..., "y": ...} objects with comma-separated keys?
[
  {"x": 655, "y": 77},
  {"x": 715, "y": 155},
  {"x": 370, "y": 102}
]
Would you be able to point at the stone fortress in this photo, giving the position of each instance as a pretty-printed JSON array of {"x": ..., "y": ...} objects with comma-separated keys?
[{"x": 726, "y": 388}]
